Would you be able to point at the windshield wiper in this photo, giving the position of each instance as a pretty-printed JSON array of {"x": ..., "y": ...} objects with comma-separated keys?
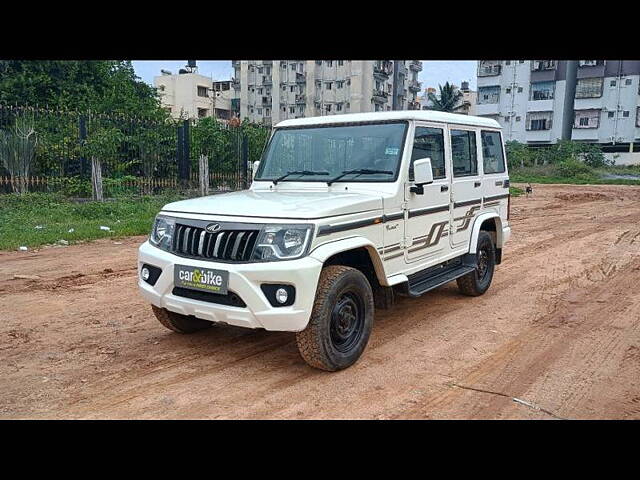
[
  {"x": 298, "y": 172},
  {"x": 359, "y": 171}
]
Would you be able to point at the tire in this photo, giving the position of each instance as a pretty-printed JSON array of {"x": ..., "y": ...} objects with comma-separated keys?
[
  {"x": 477, "y": 282},
  {"x": 179, "y": 323},
  {"x": 341, "y": 320}
]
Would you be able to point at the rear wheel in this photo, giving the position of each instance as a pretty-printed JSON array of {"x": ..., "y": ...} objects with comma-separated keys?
[
  {"x": 179, "y": 323},
  {"x": 341, "y": 320},
  {"x": 477, "y": 282}
]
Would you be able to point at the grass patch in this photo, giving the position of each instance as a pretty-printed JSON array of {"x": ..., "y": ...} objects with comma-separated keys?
[
  {"x": 570, "y": 173},
  {"x": 515, "y": 191},
  {"x": 21, "y": 214}
]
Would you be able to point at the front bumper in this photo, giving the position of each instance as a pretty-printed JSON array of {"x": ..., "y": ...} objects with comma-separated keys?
[{"x": 244, "y": 280}]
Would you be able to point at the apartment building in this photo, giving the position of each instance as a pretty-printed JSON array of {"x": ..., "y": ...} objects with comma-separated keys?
[
  {"x": 191, "y": 95},
  {"x": 270, "y": 91},
  {"x": 527, "y": 98}
]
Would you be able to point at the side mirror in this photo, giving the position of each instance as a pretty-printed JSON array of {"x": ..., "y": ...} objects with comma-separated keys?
[
  {"x": 422, "y": 174},
  {"x": 254, "y": 169}
]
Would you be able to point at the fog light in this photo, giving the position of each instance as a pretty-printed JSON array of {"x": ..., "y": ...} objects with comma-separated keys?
[
  {"x": 144, "y": 273},
  {"x": 282, "y": 295}
]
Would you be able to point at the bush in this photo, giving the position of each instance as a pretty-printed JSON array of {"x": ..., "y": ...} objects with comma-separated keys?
[{"x": 573, "y": 169}]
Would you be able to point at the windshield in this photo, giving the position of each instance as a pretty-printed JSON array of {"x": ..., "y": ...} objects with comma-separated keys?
[{"x": 320, "y": 154}]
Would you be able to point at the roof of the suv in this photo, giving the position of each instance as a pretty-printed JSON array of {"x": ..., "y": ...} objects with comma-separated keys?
[{"x": 424, "y": 115}]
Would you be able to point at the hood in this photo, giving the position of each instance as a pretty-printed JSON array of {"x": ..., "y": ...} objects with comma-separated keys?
[{"x": 290, "y": 204}]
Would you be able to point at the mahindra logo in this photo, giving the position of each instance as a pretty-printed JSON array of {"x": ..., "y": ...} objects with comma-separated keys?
[{"x": 213, "y": 227}]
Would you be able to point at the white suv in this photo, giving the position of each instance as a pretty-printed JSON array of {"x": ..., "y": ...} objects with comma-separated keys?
[{"x": 344, "y": 213}]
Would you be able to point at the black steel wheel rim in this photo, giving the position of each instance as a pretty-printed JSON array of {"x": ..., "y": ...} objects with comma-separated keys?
[
  {"x": 347, "y": 321},
  {"x": 483, "y": 263}
]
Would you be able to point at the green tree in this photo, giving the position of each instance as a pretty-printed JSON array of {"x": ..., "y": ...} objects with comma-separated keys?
[
  {"x": 449, "y": 99},
  {"x": 97, "y": 85}
]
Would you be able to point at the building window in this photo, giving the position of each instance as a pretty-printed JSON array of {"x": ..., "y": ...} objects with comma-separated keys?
[
  {"x": 328, "y": 107},
  {"x": 429, "y": 142},
  {"x": 161, "y": 88},
  {"x": 329, "y": 63},
  {"x": 292, "y": 88},
  {"x": 507, "y": 90},
  {"x": 589, "y": 88},
  {"x": 202, "y": 112},
  {"x": 318, "y": 62},
  {"x": 627, "y": 81},
  {"x": 338, "y": 107},
  {"x": 293, "y": 67},
  {"x": 202, "y": 91},
  {"x": 318, "y": 84},
  {"x": 340, "y": 84},
  {"x": 612, "y": 83},
  {"x": 518, "y": 118},
  {"x": 638, "y": 117},
  {"x": 488, "y": 95},
  {"x": 292, "y": 109},
  {"x": 260, "y": 70},
  {"x": 519, "y": 89},
  {"x": 507, "y": 62},
  {"x": 542, "y": 90},
  {"x": 625, "y": 114},
  {"x": 267, "y": 112},
  {"x": 586, "y": 119},
  {"x": 539, "y": 120},
  {"x": 284, "y": 88},
  {"x": 340, "y": 63},
  {"x": 610, "y": 114},
  {"x": 328, "y": 85},
  {"x": 492, "y": 154},
  {"x": 488, "y": 68}
]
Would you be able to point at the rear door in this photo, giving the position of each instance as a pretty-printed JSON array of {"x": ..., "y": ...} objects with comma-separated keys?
[
  {"x": 466, "y": 183},
  {"x": 495, "y": 179},
  {"x": 427, "y": 215}
]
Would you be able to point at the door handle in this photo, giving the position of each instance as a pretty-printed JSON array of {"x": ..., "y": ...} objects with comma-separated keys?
[
  {"x": 444, "y": 188},
  {"x": 477, "y": 184}
]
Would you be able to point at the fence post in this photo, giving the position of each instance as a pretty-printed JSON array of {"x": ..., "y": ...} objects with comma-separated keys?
[
  {"x": 245, "y": 160},
  {"x": 82, "y": 136},
  {"x": 204, "y": 175},
  {"x": 96, "y": 179},
  {"x": 184, "y": 164}
]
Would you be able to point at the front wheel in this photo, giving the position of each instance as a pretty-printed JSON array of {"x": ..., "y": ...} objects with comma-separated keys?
[
  {"x": 477, "y": 282},
  {"x": 341, "y": 320}
]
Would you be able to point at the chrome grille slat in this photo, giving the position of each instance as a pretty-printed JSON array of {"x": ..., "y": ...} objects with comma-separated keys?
[{"x": 225, "y": 244}]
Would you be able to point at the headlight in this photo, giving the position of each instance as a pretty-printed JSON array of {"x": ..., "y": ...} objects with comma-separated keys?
[
  {"x": 162, "y": 232},
  {"x": 282, "y": 242}
]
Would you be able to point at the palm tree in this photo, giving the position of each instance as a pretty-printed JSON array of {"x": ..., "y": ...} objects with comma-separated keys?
[{"x": 449, "y": 99}]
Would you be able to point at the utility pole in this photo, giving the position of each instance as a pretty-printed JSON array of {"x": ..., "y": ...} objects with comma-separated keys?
[{"x": 569, "y": 99}]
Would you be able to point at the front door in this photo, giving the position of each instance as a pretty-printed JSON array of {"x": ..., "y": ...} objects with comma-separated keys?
[
  {"x": 427, "y": 214},
  {"x": 466, "y": 184}
]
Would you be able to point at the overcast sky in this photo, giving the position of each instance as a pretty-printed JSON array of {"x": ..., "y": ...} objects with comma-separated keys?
[{"x": 433, "y": 72}]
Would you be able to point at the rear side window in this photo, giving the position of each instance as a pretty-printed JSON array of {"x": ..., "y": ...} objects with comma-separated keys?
[
  {"x": 464, "y": 153},
  {"x": 492, "y": 154},
  {"x": 429, "y": 142}
]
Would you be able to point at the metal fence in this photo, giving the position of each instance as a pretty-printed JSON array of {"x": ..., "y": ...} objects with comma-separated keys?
[{"x": 53, "y": 150}]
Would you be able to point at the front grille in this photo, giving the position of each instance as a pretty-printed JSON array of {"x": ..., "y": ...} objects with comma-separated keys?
[
  {"x": 229, "y": 245},
  {"x": 231, "y": 298}
]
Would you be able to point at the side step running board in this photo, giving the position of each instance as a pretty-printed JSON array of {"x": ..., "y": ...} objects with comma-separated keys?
[{"x": 430, "y": 278}]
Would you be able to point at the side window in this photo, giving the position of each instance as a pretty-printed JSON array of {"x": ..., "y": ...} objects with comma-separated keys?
[
  {"x": 492, "y": 154},
  {"x": 464, "y": 153},
  {"x": 429, "y": 142}
]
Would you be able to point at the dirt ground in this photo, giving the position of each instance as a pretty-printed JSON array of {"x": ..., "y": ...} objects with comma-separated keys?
[{"x": 559, "y": 331}]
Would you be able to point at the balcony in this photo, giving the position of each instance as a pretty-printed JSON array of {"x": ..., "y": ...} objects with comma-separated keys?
[
  {"x": 542, "y": 65},
  {"x": 266, "y": 101},
  {"x": 301, "y": 78},
  {"x": 380, "y": 96},
  {"x": 301, "y": 98},
  {"x": 267, "y": 81},
  {"x": 382, "y": 69},
  {"x": 415, "y": 86},
  {"x": 415, "y": 65},
  {"x": 235, "y": 82},
  {"x": 488, "y": 69}
]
